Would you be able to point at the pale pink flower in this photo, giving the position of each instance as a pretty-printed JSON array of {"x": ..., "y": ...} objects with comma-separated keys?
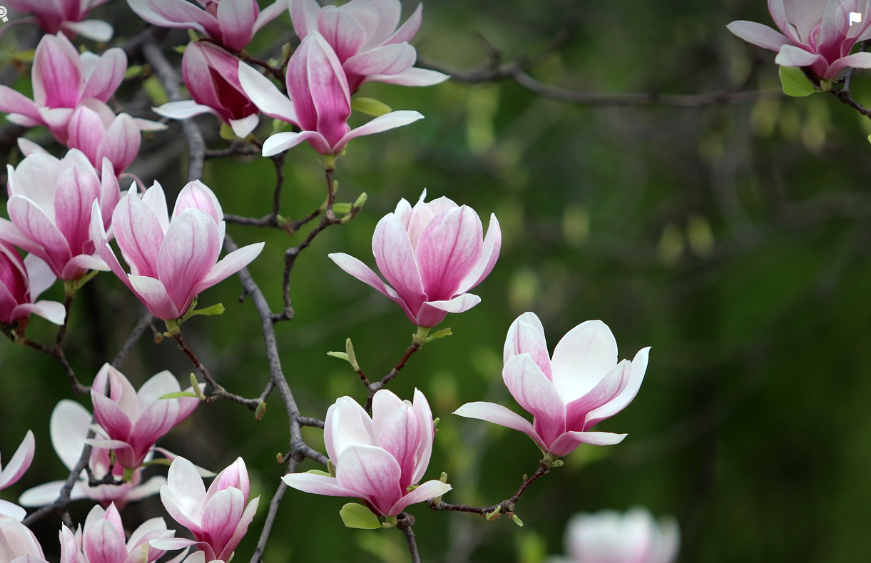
[
  {"x": 68, "y": 16},
  {"x": 95, "y": 130},
  {"x": 50, "y": 207},
  {"x": 132, "y": 421},
  {"x": 608, "y": 536},
  {"x": 321, "y": 101},
  {"x": 217, "y": 518},
  {"x": 431, "y": 254},
  {"x": 171, "y": 261},
  {"x": 377, "y": 458},
  {"x": 21, "y": 282},
  {"x": 231, "y": 23},
  {"x": 364, "y": 37},
  {"x": 211, "y": 75},
  {"x": 17, "y": 543},
  {"x": 13, "y": 471},
  {"x": 69, "y": 425},
  {"x": 62, "y": 80},
  {"x": 816, "y": 34},
  {"x": 568, "y": 394}
]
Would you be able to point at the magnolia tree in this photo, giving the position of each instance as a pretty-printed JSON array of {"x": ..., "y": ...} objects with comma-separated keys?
[{"x": 74, "y": 211}]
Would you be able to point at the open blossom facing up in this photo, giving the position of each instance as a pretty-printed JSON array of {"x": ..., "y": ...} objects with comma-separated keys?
[
  {"x": 64, "y": 15},
  {"x": 69, "y": 425},
  {"x": 171, "y": 261},
  {"x": 377, "y": 458},
  {"x": 15, "y": 468},
  {"x": 50, "y": 206},
  {"x": 321, "y": 101},
  {"x": 815, "y": 34},
  {"x": 211, "y": 75},
  {"x": 364, "y": 36},
  {"x": 21, "y": 282},
  {"x": 431, "y": 254},
  {"x": 231, "y": 23},
  {"x": 134, "y": 420},
  {"x": 581, "y": 385},
  {"x": 608, "y": 536},
  {"x": 218, "y": 517}
]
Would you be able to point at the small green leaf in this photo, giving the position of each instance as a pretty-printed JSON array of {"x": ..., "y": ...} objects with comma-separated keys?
[
  {"x": 439, "y": 334},
  {"x": 318, "y": 472},
  {"x": 227, "y": 133},
  {"x": 155, "y": 91},
  {"x": 180, "y": 49},
  {"x": 370, "y": 106},
  {"x": 340, "y": 355},
  {"x": 178, "y": 395},
  {"x": 261, "y": 410},
  {"x": 358, "y": 516},
  {"x": 517, "y": 520},
  {"x": 25, "y": 56},
  {"x": 795, "y": 83},
  {"x": 132, "y": 72}
]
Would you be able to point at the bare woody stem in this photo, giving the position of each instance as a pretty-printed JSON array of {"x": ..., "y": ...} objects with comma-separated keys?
[
  {"x": 404, "y": 522},
  {"x": 376, "y": 386}
]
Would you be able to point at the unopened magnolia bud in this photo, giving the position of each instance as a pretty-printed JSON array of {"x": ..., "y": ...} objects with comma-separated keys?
[
  {"x": 361, "y": 201},
  {"x": 260, "y": 411},
  {"x": 352, "y": 357},
  {"x": 517, "y": 520}
]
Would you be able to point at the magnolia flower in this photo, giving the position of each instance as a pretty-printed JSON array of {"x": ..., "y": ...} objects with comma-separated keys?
[
  {"x": 431, "y": 254},
  {"x": 64, "y": 15},
  {"x": 95, "y": 130},
  {"x": 217, "y": 518},
  {"x": 568, "y": 394},
  {"x": 231, "y": 23},
  {"x": 69, "y": 425},
  {"x": 132, "y": 421},
  {"x": 62, "y": 80},
  {"x": 50, "y": 204},
  {"x": 103, "y": 540},
  {"x": 377, "y": 459},
  {"x": 211, "y": 75},
  {"x": 321, "y": 101},
  {"x": 171, "y": 261},
  {"x": 17, "y": 543},
  {"x": 21, "y": 282},
  {"x": 817, "y": 35},
  {"x": 362, "y": 34},
  {"x": 13, "y": 471},
  {"x": 611, "y": 537}
]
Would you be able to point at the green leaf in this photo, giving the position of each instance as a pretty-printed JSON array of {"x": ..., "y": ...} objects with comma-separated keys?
[
  {"x": 358, "y": 516},
  {"x": 132, "y": 72},
  {"x": 155, "y": 91},
  {"x": 795, "y": 83},
  {"x": 319, "y": 472},
  {"x": 340, "y": 355},
  {"x": 25, "y": 56},
  {"x": 179, "y": 395},
  {"x": 370, "y": 106}
]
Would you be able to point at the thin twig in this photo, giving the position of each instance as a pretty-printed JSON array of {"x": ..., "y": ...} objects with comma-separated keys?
[
  {"x": 134, "y": 337},
  {"x": 378, "y": 385},
  {"x": 404, "y": 522}
]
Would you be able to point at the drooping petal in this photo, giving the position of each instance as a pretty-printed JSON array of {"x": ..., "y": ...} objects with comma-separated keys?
[
  {"x": 281, "y": 142},
  {"x": 424, "y": 492},
  {"x": 794, "y": 56},
  {"x": 497, "y": 414},
  {"x": 317, "y": 484},
  {"x": 433, "y": 312},
  {"x": 410, "y": 77},
  {"x": 758, "y": 34},
  {"x": 380, "y": 124},
  {"x": 568, "y": 442},
  {"x": 182, "y": 110}
]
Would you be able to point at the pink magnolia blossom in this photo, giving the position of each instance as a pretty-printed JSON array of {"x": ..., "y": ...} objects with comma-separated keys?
[
  {"x": 211, "y": 75},
  {"x": 50, "y": 207},
  {"x": 95, "y": 130},
  {"x": 217, "y": 518},
  {"x": 231, "y": 23},
  {"x": 13, "y": 471},
  {"x": 171, "y": 261},
  {"x": 321, "y": 101},
  {"x": 364, "y": 37},
  {"x": 377, "y": 458},
  {"x": 568, "y": 394},
  {"x": 69, "y": 425},
  {"x": 21, "y": 282},
  {"x": 611, "y": 537},
  {"x": 102, "y": 540},
  {"x": 817, "y": 35},
  {"x": 431, "y": 254},
  {"x": 17, "y": 543},
  {"x": 68, "y": 16},
  {"x": 132, "y": 421},
  {"x": 62, "y": 80}
]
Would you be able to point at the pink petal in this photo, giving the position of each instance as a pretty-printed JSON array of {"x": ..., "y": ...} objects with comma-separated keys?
[
  {"x": 138, "y": 233},
  {"x": 626, "y": 395},
  {"x": 103, "y": 544},
  {"x": 154, "y": 296},
  {"x": 182, "y": 110},
  {"x": 582, "y": 358},
  {"x": 57, "y": 73},
  {"x": 270, "y": 13},
  {"x": 424, "y": 417},
  {"x": 424, "y": 492},
  {"x": 178, "y": 13},
  {"x": 343, "y": 32},
  {"x": 196, "y": 195},
  {"x": 110, "y": 192},
  {"x": 229, "y": 265},
  {"x": 448, "y": 249},
  {"x": 110, "y": 416},
  {"x": 382, "y": 23},
  {"x": 856, "y": 60},
  {"x": 265, "y": 95},
  {"x": 39, "y": 275},
  {"x": 758, "y": 34},
  {"x": 372, "y": 473},
  {"x": 77, "y": 189},
  {"x": 20, "y": 461},
  {"x": 317, "y": 484},
  {"x": 120, "y": 144},
  {"x": 153, "y": 423},
  {"x": 85, "y": 131},
  {"x": 184, "y": 494},
  {"x": 241, "y": 529},
  {"x": 12, "y": 101},
  {"x": 380, "y": 124},
  {"x": 220, "y": 516},
  {"x": 326, "y": 90},
  {"x": 383, "y": 404},
  {"x": 536, "y": 394},
  {"x": 489, "y": 255},
  {"x": 400, "y": 436},
  {"x": 388, "y": 59},
  {"x": 410, "y": 77},
  {"x": 349, "y": 426},
  {"x": 363, "y": 273},
  {"x": 281, "y": 142},
  {"x": 497, "y": 414},
  {"x": 396, "y": 261},
  {"x": 51, "y": 311},
  {"x": 155, "y": 199},
  {"x": 433, "y": 312},
  {"x": 237, "y": 22},
  {"x": 303, "y": 14},
  {"x": 106, "y": 76},
  {"x": 604, "y": 391},
  {"x": 568, "y": 442},
  {"x": 793, "y": 56},
  {"x": 92, "y": 29},
  {"x": 409, "y": 29},
  {"x": 526, "y": 336},
  {"x": 42, "y": 237}
]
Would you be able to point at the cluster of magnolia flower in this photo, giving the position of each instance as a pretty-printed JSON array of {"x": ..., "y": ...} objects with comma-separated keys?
[{"x": 64, "y": 212}]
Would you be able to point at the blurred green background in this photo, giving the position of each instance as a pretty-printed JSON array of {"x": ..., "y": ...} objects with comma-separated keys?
[{"x": 733, "y": 239}]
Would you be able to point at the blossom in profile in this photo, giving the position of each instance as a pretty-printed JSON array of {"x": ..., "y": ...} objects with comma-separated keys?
[
  {"x": 218, "y": 517},
  {"x": 49, "y": 205},
  {"x": 68, "y": 16},
  {"x": 17, "y": 542},
  {"x": 173, "y": 259},
  {"x": 608, "y": 536},
  {"x": 321, "y": 101},
  {"x": 378, "y": 459},
  {"x": 132, "y": 421},
  {"x": 211, "y": 75},
  {"x": 431, "y": 254},
  {"x": 13, "y": 471},
  {"x": 21, "y": 283},
  {"x": 567, "y": 394},
  {"x": 815, "y": 35},
  {"x": 231, "y": 23},
  {"x": 366, "y": 41}
]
